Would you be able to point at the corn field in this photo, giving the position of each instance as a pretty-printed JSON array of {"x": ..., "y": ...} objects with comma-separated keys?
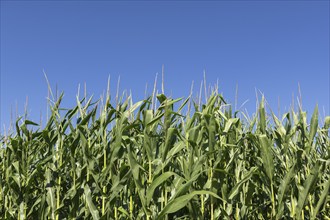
[{"x": 164, "y": 158}]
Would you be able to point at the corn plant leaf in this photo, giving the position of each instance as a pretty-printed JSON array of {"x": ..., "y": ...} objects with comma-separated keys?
[
  {"x": 155, "y": 119},
  {"x": 236, "y": 189},
  {"x": 169, "y": 102},
  {"x": 180, "y": 202},
  {"x": 168, "y": 142},
  {"x": 306, "y": 189},
  {"x": 327, "y": 122},
  {"x": 266, "y": 155},
  {"x": 262, "y": 116},
  {"x": 313, "y": 125},
  {"x": 122, "y": 210},
  {"x": 323, "y": 197},
  {"x": 229, "y": 124},
  {"x": 50, "y": 193},
  {"x": 135, "y": 169},
  {"x": 28, "y": 122},
  {"x": 182, "y": 189},
  {"x": 93, "y": 210},
  {"x": 156, "y": 182},
  {"x": 283, "y": 189}
]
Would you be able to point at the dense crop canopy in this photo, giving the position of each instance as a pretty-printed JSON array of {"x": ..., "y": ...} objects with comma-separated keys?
[{"x": 138, "y": 161}]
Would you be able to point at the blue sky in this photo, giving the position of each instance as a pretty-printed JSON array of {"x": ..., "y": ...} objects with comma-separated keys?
[{"x": 266, "y": 45}]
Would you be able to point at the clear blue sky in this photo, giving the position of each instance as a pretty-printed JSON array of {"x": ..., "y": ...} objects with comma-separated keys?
[{"x": 268, "y": 45}]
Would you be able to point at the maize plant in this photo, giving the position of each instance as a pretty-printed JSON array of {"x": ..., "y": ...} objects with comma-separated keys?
[{"x": 166, "y": 158}]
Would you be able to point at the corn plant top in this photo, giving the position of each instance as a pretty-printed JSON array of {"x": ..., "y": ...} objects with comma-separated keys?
[{"x": 138, "y": 161}]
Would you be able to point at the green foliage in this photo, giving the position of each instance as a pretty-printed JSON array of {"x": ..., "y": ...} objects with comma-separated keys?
[{"x": 135, "y": 162}]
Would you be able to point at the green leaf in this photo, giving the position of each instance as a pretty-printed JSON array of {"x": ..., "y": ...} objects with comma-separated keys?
[
  {"x": 267, "y": 156},
  {"x": 236, "y": 189},
  {"x": 89, "y": 200},
  {"x": 155, "y": 119},
  {"x": 135, "y": 169},
  {"x": 229, "y": 124},
  {"x": 28, "y": 122},
  {"x": 321, "y": 201},
  {"x": 180, "y": 202},
  {"x": 169, "y": 141},
  {"x": 156, "y": 182},
  {"x": 161, "y": 98},
  {"x": 308, "y": 187},
  {"x": 313, "y": 125},
  {"x": 50, "y": 193},
  {"x": 262, "y": 116},
  {"x": 282, "y": 190},
  {"x": 122, "y": 210},
  {"x": 327, "y": 122}
]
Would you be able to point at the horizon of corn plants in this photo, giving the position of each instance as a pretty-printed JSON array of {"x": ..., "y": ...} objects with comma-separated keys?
[{"x": 151, "y": 160}]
